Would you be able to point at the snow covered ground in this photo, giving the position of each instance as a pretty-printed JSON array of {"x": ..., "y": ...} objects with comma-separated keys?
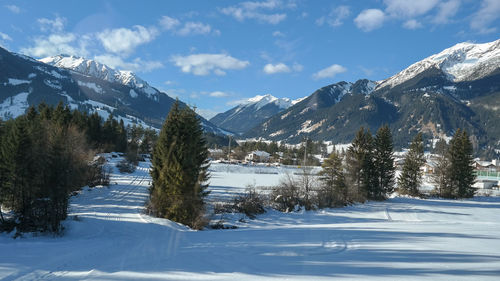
[{"x": 109, "y": 238}]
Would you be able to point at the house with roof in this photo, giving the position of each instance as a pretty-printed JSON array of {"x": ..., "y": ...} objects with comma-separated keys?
[{"x": 258, "y": 156}]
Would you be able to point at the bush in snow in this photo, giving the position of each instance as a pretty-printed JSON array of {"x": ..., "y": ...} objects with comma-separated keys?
[
  {"x": 288, "y": 194},
  {"x": 251, "y": 203},
  {"x": 125, "y": 166}
]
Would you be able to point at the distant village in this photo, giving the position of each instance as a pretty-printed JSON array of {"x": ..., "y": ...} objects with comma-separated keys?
[{"x": 314, "y": 153}]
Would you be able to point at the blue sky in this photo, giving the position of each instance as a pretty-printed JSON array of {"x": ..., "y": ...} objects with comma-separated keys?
[{"x": 212, "y": 54}]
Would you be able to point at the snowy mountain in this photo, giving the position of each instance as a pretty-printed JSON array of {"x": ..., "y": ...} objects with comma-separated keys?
[
  {"x": 311, "y": 116},
  {"x": 456, "y": 88},
  {"x": 251, "y": 112},
  {"x": 95, "y": 69},
  {"x": 462, "y": 62},
  {"x": 82, "y": 84}
]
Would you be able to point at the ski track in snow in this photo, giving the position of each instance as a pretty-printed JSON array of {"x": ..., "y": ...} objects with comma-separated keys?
[{"x": 401, "y": 238}]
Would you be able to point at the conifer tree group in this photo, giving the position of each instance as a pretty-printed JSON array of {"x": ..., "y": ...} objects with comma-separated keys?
[
  {"x": 179, "y": 169},
  {"x": 454, "y": 174},
  {"x": 366, "y": 173},
  {"x": 43, "y": 157},
  {"x": 48, "y": 153}
]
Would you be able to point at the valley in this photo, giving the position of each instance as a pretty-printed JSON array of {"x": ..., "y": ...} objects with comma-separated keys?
[{"x": 109, "y": 237}]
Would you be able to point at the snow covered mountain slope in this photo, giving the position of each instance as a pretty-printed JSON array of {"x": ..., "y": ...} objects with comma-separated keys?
[
  {"x": 251, "y": 112},
  {"x": 462, "y": 62},
  {"x": 82, "y": 84},
  {"x": 101, "y": 71},
  {"x": 318, "y": 115}
]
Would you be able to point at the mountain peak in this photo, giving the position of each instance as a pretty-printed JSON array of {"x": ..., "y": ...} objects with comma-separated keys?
[
  {"x": 462, "y": 62},
  {"x": 101, "y": 71},
  {"x": 265, "y": 98},
  {"x": 262, "y": 100}
]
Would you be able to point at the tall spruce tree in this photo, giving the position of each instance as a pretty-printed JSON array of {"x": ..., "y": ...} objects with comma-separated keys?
[
  {"x": 333, "y": 191},
  {"x": 411, "y": 177},
  {"x": 384, "y": 162},
  {"x": 360, "y": 172},
  {"x": 440, "y": 176},
  {"x": 179, "y": 169},
  {"x": 461, "y": 169}
]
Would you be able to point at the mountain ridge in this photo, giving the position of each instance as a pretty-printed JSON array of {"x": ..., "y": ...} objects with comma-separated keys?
[
  {"x": 82, "y": 84},
  {"x": 251, "y": 112},
  {"x": 431, "y": 96}
]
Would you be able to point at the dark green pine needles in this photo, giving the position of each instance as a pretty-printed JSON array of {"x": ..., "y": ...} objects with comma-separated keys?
[{"x": 179, "y": 169}]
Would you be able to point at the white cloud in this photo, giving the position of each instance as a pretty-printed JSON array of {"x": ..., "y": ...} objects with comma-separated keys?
[
  {"x": 205, "y": 64},
  {"x": 276, "y": 68},
  {"x": 170, "y": 82},
  {"x": 3, "y": 40},
  {"x": 55, "y": 25},
  {"x": 13, "y": 8},
  {"x": 412, "y": 24},
  {"x": 55, "y": 44},
  {"x": 446, "y": 11},
  {"x": 168, "y": 23},
  {"x": 258, "y": 11},
  {"x": 370, "y": 19},
  {"x": 409, "y": 8},
  {"x": 123, "y": 40},
  {"x": 191, "y": 28},
  {"x": 136, "y": 65},
  {"x": 218, "y": 94},
  {"x": 336, "y": 17},
  {"x": 329, "y": 72},
  {"x": 485, "y": 16},
  {"x": 278, "y": 33},
  {"x": 5, "y": 37}
]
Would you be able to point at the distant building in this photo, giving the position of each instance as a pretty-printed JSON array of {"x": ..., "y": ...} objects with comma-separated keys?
[
  {"x": 487, "y": 165},
  {"x": 258, "y": 156},
  {"x": 216, "y": 153},
  {"x": 429, "y": 167}
]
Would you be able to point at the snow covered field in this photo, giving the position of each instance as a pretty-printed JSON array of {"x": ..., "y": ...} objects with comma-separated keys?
[{"x": 108, "y": 238}]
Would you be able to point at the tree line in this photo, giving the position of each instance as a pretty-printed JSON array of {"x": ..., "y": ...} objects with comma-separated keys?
[
  {"x": 366, "y": 171},
  {"x": 48, "y": 153}
]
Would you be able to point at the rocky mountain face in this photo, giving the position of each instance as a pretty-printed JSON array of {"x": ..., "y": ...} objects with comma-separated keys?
[
  {"x": 251, "y": 112},
  {"x": 82, "y": 84},
  {"x": 457, "y": 88}
]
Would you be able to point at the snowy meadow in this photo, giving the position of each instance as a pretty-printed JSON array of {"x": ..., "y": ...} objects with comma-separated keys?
[{"x": 109, "y": 237}]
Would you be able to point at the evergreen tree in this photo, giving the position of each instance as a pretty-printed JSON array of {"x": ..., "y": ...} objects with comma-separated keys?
[
  {"x": 148, "y": 141},
  {"x": 440, "y": 177},
  {"x": 461, "y": 169},
  {"x": 411, "y": 177},
  {"x": 121, "y": 137},
  {"x": 333, "y": 191},
  {"x": 360, "y": 172},
  {"x": 179, "y": 168},
  {"x": 17, "y": 166},
  {"x": 94, "y": 130},
  {"x": 384, "y": 162}
]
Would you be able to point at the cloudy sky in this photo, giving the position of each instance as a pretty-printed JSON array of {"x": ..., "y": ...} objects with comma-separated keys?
[{"x": 212, "y": 54}]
